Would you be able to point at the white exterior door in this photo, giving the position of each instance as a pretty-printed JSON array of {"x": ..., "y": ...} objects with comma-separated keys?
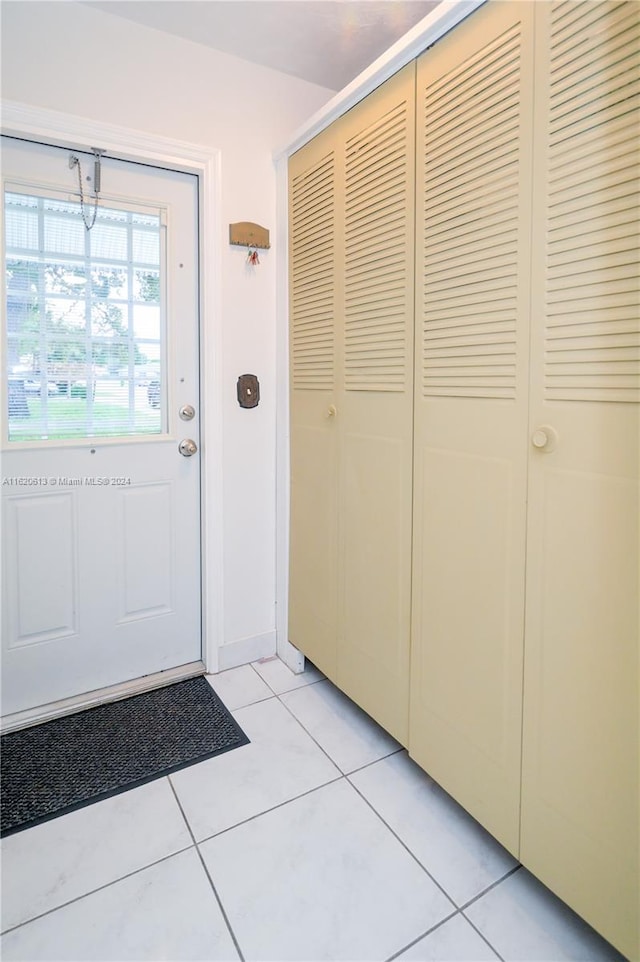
[{"x": 101, "y": 511}]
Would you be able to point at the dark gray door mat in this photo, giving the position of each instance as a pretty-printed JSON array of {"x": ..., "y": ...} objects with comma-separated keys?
[{"x": 61, "y": 765}]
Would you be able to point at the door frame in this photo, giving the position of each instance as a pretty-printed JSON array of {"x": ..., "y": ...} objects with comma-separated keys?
[{"x": 60, "y": 129}]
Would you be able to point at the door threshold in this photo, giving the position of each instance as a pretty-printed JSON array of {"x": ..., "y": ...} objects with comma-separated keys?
[{"x": 70, "y": 706}]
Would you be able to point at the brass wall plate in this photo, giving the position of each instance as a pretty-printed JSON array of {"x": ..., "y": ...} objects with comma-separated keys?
[{"x": 246, "y": 234}]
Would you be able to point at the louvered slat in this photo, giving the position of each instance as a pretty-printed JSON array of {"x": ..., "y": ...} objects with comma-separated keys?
[
  {"x": 592, "y": 292},
  {"x": 376, "y": 210},
  {"x": 471, "y": 175},
  {"x": 312, "y": 276}
]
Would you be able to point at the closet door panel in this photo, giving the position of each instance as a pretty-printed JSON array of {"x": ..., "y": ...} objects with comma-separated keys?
[
  {"x": 373, "y": 664},
  {"x": 314, "y": 293},
  {"x": 471, "y": 393},
  {"x": 375, "y": 415},
  {"x": 312, "y": 583},
  {"x": 580, "y": 803}
]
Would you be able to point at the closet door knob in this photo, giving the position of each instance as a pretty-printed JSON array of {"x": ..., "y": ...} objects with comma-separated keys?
[
  {"x": 332, "y": 411},
  {"x": 544, "y": 438}
]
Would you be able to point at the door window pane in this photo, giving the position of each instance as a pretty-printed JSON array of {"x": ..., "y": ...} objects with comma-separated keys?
[{"x": 85, "y": 321}]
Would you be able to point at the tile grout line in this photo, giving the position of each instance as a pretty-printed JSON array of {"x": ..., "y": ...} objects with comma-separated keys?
[
  {"x": 352, "y": 771},
  {"x": 312, "y": 737},
  {"x": 208, "y": 874},
  {"x": 493, "y": 885},
  {"x": 481, "y": 895},
  {"x": 307, "y": 684},
  {"x": 346, "y": 776},
  {"x": 258, "y": 701},
  {"x": 483, "y": 937},
  {"x": 341, "y": 775},
  {"x": 322, "y": 749},
  {"x": 459, "y": 910},
  {"x": 362, "y": 768},
  {"x": 266, "y": 811},
  {"x": 263, "y": 680},
  {"x": 405, "y": 846},
  {"x": 433, "y": 928},
  {"x": 98, "y": 888}
]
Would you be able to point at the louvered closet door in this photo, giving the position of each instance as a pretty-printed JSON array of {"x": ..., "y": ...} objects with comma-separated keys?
[
  {"x": 375, "y": 401},
  {"x": 472, "y": 309},
  {"x": 314, "y": 292},
  {"x": 351, "y": 292},
  {"x": 580, "y": 804}
]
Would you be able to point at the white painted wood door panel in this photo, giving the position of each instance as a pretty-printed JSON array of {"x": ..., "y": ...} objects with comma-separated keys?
[{"x": 101, "y": 532}]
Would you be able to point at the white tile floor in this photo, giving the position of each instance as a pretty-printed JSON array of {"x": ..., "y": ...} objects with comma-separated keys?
[{"x": 320, "y": 840}]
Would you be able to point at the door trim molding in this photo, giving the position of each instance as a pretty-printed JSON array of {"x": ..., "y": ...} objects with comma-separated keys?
[{"x": 81, "y": 133}]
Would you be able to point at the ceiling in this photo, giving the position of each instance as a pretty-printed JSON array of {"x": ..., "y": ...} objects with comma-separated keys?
[{"x": 327, "y": 42}]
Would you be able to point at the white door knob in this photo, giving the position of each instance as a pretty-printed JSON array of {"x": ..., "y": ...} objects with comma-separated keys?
[{"x": 544, "y": 438}]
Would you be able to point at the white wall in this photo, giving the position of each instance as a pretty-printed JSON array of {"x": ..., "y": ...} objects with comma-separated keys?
[{"x": 68, "y": 57}]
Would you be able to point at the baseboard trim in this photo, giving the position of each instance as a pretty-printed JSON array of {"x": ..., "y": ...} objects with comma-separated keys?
[{"x": 246, "y": 650}]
